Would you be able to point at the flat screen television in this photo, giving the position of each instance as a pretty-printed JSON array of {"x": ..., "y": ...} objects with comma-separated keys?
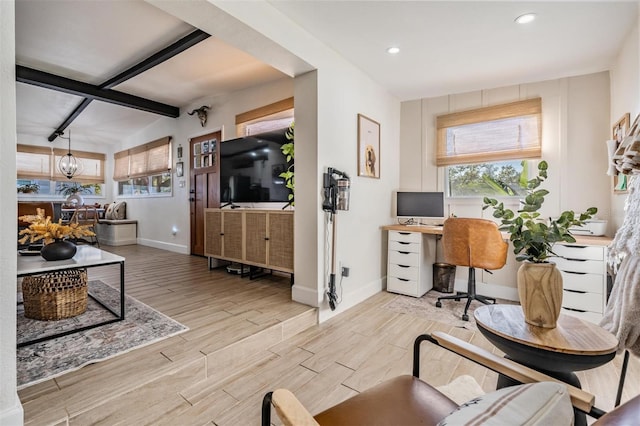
[
  {"x": 250, "y": 169},
  {"x": 419, "y": 207}
]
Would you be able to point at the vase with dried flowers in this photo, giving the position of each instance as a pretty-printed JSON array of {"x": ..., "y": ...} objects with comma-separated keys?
[{"x": 55, "y": 235}]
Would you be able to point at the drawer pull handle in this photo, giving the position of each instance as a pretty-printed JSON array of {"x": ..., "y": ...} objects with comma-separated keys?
[
  {"x": 403, "y": 242},
  {"x": 402, "y": 279},
  {"x": 575, "y": 291},
  {"x": 574, "y": 272},
  {"x": 404, "y": 252},
  {"x": 404, "y": 266},
  {"x": 404, "y": 233},
  {"x": 574, "y": 310},
  {"x": 570, "y": 259},
  {"x": 580, "y": 247}
]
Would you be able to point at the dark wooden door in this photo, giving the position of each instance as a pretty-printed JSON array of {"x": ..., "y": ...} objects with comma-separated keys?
[{"x": 204, "y": 154}]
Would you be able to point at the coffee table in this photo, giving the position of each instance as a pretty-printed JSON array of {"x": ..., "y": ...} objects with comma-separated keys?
[
  {"x": 573, "y": 345},
  {"x": 85, "y": 257}
]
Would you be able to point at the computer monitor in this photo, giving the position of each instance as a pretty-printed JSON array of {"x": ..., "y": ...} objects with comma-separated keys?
[{"x": 420, "y": 207}]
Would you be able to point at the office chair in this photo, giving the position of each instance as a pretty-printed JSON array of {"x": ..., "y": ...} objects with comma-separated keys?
[{"x": 475, "y": 243}]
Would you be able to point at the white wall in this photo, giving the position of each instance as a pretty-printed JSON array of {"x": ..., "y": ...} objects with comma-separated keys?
[
  {"x": 155, "y": 229},
  {"x": 575, "y": 125},
  {"x": 10, "y": 408},
  {"x": 625, "y": 90},
  {"x": 342, "y": 91}
]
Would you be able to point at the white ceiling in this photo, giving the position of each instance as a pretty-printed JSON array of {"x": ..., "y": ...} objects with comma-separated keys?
[{"x": 446, "y": 47}]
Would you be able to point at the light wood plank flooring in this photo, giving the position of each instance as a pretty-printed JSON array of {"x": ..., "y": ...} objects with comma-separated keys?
[{"x": 246, "y": 338}]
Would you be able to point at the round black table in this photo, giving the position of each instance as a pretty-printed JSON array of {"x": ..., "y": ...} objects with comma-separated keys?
[{"x": 573, "y": 345}]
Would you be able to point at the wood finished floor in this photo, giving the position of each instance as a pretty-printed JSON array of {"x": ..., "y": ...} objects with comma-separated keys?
[{"x": 246, "y": 338}]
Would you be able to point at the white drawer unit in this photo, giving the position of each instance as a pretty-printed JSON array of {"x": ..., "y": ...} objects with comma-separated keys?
[
  {"x": 409, "y": 268},
  {"x": 584, "y": 279}
]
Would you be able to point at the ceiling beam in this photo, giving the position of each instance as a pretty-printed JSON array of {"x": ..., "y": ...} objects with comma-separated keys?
[
  {"x": 89, "y": 91},
  {"x": 157, "y": 58}
]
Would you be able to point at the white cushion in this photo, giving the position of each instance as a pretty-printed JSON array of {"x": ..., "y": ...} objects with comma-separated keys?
[
  {"x": 544, "y": 403},
  {"x": 116, "y": 211}
]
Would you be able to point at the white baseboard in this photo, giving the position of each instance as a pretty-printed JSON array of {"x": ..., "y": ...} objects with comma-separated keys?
[
  {"x": 353, "y": 297},
  {"x": 176, "y": 248},
  {"x": 305, "y": 295},
  {"x": 12, "y": 416}
]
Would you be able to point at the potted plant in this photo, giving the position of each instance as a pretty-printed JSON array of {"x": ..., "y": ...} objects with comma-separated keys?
[
  {"x": 29, "y": 188},
  {"x": 539, "y": 282},
  {"x": 288, "y": 175}
]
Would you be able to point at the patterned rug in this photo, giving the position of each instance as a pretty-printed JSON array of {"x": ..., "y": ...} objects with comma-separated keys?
[
  {"x": 42, "y": 361},
  {"x": 425, "y": 306}
]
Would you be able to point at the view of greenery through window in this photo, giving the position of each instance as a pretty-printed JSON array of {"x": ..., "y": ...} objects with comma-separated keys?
[
  {"x": 64, "y": 189},
  {"x": 145, "y": 186},
  {"x": 487, "y": 179}
]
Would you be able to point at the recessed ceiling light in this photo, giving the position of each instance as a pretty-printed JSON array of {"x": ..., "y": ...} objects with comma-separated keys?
[
  {"x": 393, "y": 50},
  {"x": 526, "y": 18}
]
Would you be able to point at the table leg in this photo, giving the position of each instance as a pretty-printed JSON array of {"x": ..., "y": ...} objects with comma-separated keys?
[{"x": 567, "y": 377}]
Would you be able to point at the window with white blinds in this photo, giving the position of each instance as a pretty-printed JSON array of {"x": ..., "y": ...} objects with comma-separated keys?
[
  {"x": 145, "y": 160},
  {"x": 497, "y": 133}
]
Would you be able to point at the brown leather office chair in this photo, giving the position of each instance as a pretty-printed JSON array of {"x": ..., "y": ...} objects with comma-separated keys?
[
  {"x": 407, "y": 400},
  {"x": 475, "y": 243}
]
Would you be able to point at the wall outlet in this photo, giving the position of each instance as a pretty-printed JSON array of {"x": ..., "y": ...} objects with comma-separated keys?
[{"x": 345, "y": 271}]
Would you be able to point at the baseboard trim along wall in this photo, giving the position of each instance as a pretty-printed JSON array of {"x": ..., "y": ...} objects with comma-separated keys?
[{"x": 176, "y": 248}]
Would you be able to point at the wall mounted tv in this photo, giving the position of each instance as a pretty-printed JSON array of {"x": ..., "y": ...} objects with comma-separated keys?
[
  {"x": 250, "y": 169},
  {"x": 414, "y": 206}
]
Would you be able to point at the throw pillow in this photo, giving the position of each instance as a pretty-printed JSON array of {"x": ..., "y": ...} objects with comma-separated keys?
[
  {"x": 544, "y": 403},
  {"x": 108, "y": 213},
  {"x": 120, "y": 210}
]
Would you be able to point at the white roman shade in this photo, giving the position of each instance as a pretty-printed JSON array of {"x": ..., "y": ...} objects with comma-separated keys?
[{"x": 497, "y": 133}]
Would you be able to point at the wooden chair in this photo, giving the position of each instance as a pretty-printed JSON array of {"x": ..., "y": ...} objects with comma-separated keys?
[
  {"x": 408, "y": 400},
  {"x": 474, "y": 243},
  {"x": 87, "y": 216}
]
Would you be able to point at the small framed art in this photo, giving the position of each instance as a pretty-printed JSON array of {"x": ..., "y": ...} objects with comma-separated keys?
[
  {"x": 179, "y": 169},
  {"x": 368, "y": 147}
]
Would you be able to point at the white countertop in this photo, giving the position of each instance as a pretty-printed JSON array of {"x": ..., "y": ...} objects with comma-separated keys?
[{"x": 85, "y": 256}]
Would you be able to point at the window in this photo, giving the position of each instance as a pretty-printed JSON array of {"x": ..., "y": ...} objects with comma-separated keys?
[
  {"x": 495, "y": 179},
  {"x": 484, "y": 149},
  {"x": 37, "y": 172},
  {"x": 144, "y": 170},
  {"x": 274, "y": 116}
]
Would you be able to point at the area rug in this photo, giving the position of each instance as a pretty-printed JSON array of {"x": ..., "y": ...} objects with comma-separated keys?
[
  {"x": 425, "y": 307},
  {"x": 42, "y": 361}
]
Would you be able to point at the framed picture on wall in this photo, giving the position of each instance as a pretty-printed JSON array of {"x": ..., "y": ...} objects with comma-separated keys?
[
  {"x": 368, "y": 147},
  {"x": 179, "y": 169},
  {"x": 620, "y": 130}
]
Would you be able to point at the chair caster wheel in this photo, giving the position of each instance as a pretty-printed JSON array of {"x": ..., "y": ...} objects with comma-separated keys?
[
  {"x": 465, "y": 317},
  {"x": 438, "y": 304}
]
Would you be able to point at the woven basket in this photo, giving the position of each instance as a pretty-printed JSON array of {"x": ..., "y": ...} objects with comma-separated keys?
[{"x": 55, "y": 295}]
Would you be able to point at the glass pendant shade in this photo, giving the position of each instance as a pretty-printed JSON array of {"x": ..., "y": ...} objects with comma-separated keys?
[{"x": 68, "y": 164}]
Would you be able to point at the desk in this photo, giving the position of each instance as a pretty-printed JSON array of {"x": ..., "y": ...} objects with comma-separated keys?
[
  {"x": 86, "y": 257},
  {"x": 583, "y": 267},
  {"x": 573, "y": 345}
]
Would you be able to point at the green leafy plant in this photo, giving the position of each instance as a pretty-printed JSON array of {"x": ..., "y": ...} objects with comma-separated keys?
[
  {"x": 532, "y": 237},
  {"x": 67, "y": 189},
  {"x": 288, "y": 175},
  {"x": 29, "y": 188}
]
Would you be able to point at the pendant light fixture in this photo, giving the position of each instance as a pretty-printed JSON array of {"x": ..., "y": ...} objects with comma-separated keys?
[{"x": 68, "y": 164}]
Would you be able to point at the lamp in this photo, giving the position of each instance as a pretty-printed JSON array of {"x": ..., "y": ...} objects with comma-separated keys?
[{"x": 68, "y": 164}]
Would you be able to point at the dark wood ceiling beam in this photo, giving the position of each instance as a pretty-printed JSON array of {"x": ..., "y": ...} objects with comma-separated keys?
[
  {"x": 89, "y": 91},
  {"x": 157, "y": 58}
]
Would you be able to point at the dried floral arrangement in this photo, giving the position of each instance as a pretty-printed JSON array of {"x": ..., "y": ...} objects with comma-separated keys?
[{"x": 43, "y": 228}]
